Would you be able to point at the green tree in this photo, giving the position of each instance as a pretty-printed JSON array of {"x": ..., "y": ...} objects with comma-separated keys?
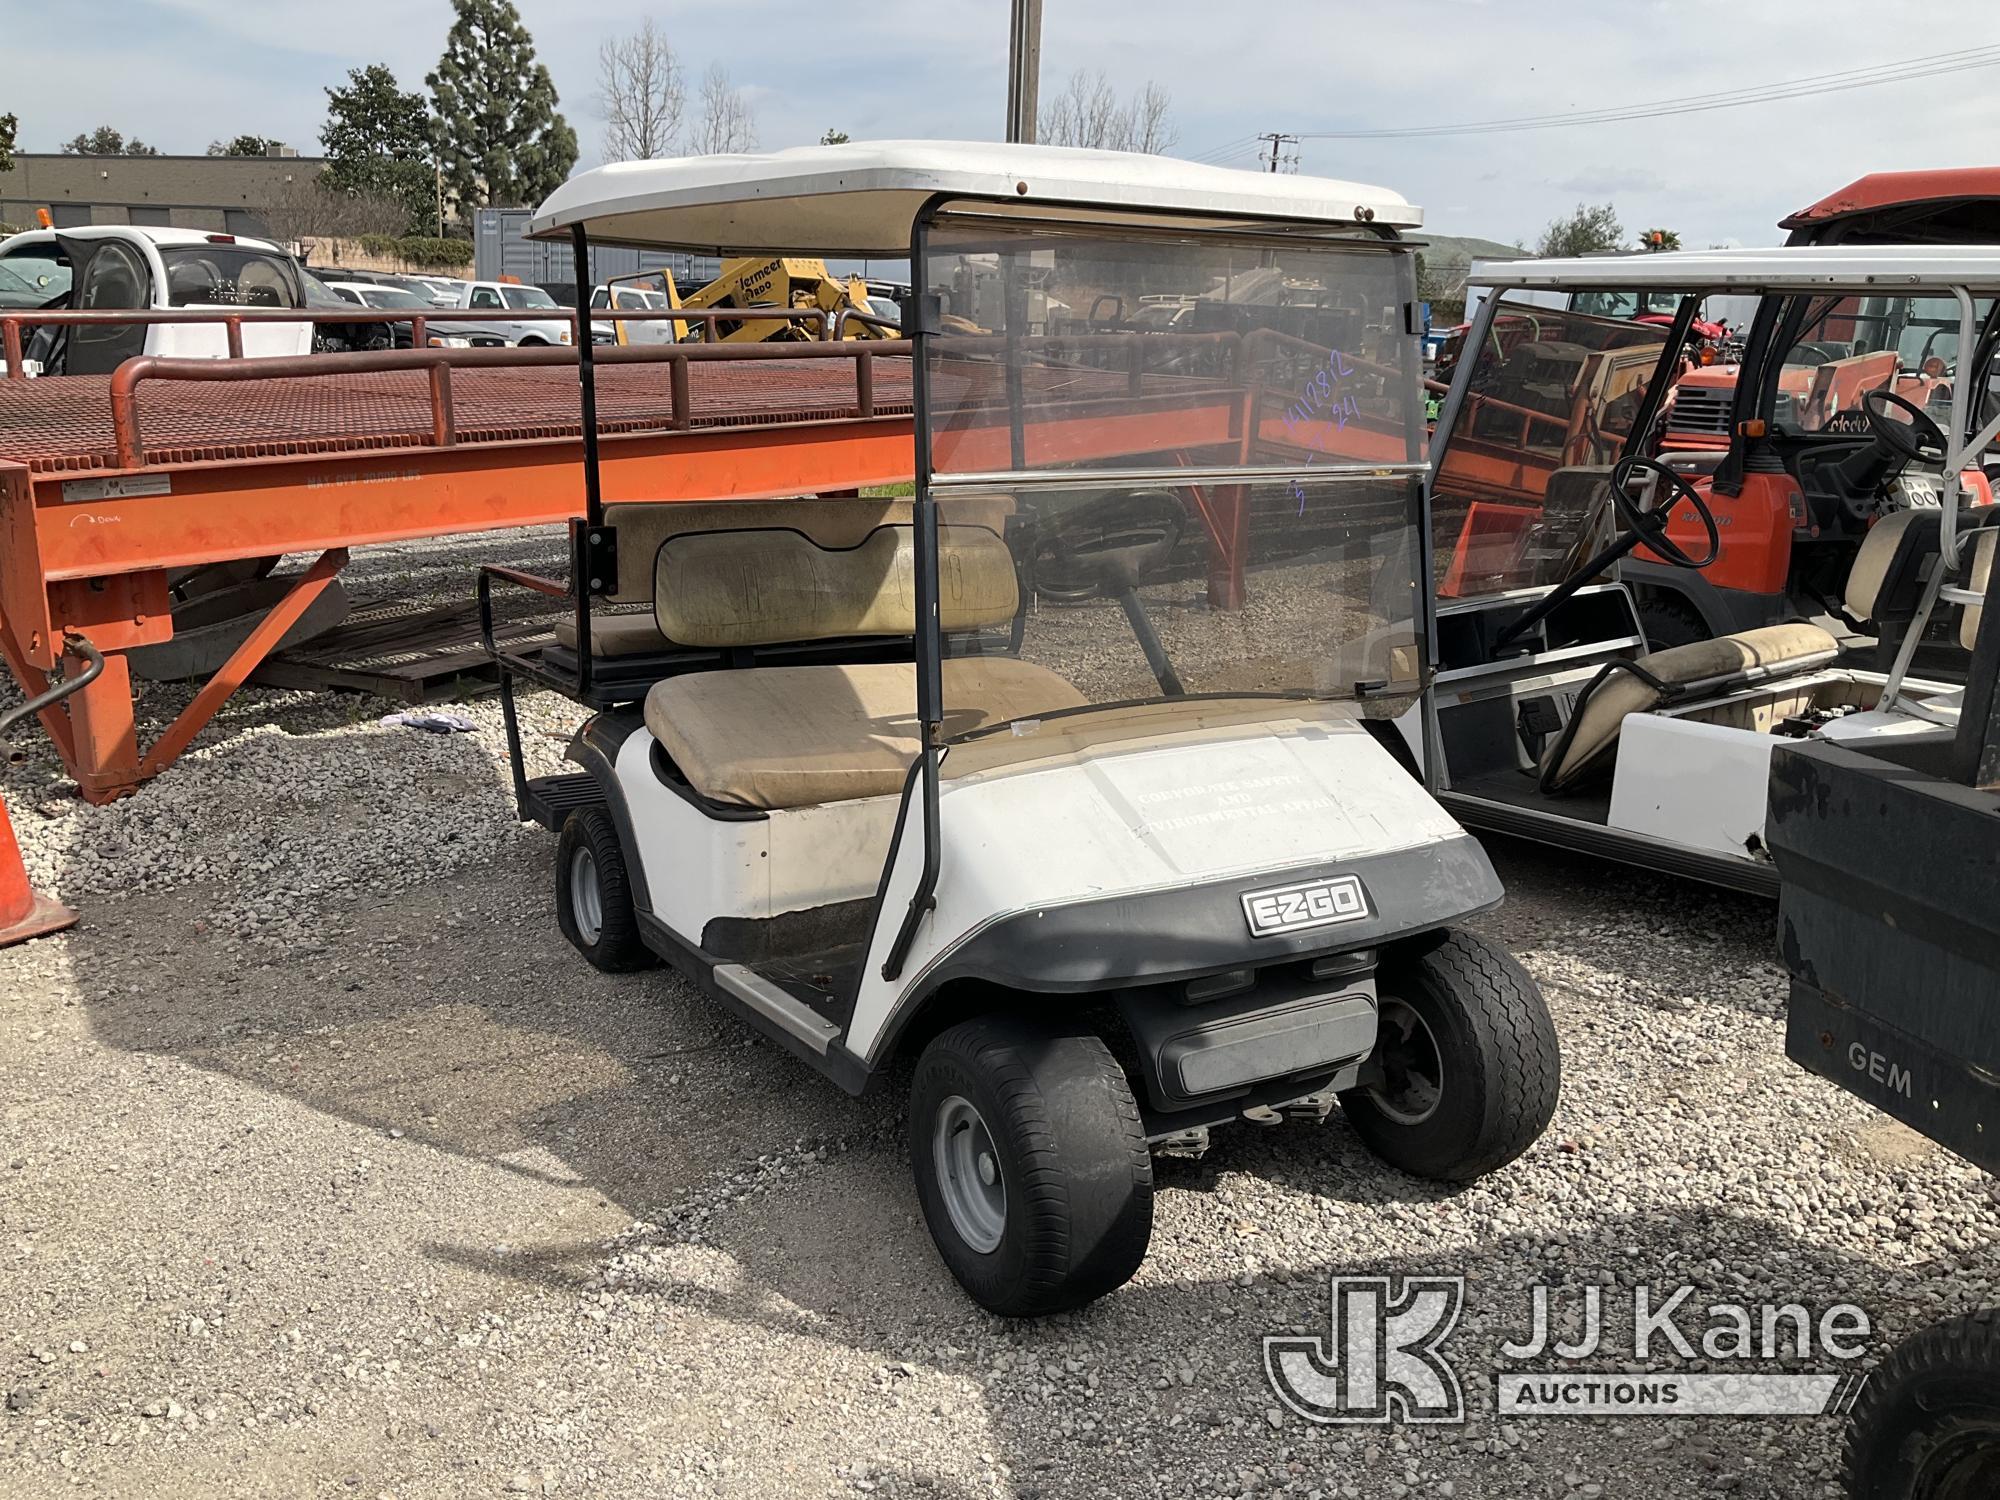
[
  {"x": 500, "y": 139},
  {"x": 1656, "y": 240},
  {"x": 1590, "y": 229},
  {"x": 378, "y": 145},
  {"x": 834, "y": 138},
  {"x": 104, "y": 141},
  {"x": 8, "y": 125},
  {"x": 244, "y": 145}
]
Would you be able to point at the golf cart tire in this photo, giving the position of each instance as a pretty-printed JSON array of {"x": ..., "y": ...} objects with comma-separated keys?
[
  {"x": 1072, "y": 1157},
  {"x": 617, "y": 947},
  {"x": 1499, "y": 1062},
  {"x": 1928, "y": 1421},
  {"x": 1670, "y": 620}
]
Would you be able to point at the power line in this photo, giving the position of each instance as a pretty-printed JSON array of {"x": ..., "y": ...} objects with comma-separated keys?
[
  {"x": 1936, "y": 65},
  {"x": 1279, "y": 159},
  {"x": 1228, "y": 149}
]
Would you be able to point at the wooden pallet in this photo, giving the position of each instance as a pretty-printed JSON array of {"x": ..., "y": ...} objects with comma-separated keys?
[{"x": 412, "y": 654}]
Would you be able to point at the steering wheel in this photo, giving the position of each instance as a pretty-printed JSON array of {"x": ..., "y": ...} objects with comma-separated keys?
[
  {"x": 1650, "y": 526},
  {"x": 1920, "y": 439},
  {"x": 1105, "y": 546}
]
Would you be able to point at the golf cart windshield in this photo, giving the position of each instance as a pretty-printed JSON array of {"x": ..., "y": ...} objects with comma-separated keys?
[
  {"x": 1549, "y": 403},
  {"x": 1218, "y": 501}
]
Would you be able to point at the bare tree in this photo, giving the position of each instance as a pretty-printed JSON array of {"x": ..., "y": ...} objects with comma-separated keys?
[
  {"x": 1088, "y": 113},
  {"x": 727, "y": 122},
  {"x": 1149, "y": 127},
  {"x": 303, "y": 209},
  {"x": 642, "y": 94}
]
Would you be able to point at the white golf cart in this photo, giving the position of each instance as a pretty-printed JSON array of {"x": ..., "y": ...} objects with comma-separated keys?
[
  {"x": 1072, "y": 780},
  {"x": 1551, "y": 719}
]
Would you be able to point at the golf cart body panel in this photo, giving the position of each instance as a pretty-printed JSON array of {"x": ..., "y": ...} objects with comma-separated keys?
[
  {"x": 1085, "y": 754},
  {"x": 1133, "y": 886},
  {"x": 1554, "y": 722}
]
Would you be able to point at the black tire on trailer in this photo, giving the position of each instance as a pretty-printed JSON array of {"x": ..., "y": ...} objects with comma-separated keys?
[
  {"x": 1928, "y": 1421},
  {"x": 594, "y": 896},
  {"x": 1471, "y": 1069},
  {"x": 1031, "y": 1164},
  {"x": 1670, "y": 620}
]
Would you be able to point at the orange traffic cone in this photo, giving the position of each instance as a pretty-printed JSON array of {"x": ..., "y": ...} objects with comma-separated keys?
[{"x": 24, "y": 912}]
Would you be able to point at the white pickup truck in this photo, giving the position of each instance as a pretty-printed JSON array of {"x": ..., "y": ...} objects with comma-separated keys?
[
  {"x": 498, "y": 296},
  {"x": 107, "y": 267}
]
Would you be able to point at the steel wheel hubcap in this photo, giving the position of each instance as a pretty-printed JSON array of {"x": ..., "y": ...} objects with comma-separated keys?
[
  {"x": 585, "y": 901},
  {"x": 1412, "y": 1065},
  {"x": 968, "y": 1174}
]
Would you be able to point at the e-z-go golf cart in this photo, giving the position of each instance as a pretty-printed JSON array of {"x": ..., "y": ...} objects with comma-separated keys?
[
  {"x": 1552, "y": 719},
  {"x": 1070, "y": 779}
]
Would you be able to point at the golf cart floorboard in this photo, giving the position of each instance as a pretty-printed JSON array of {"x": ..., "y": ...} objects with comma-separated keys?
[
  {"x": 1581, "y": 825},
  {"x": 1518, "y": 789},
  {"x": 823, "y": 980}
]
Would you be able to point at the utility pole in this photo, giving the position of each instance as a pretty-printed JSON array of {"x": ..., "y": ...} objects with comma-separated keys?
[
  {"x": 1024, "y": 70},
  {"x": 1278, "y": 139}
]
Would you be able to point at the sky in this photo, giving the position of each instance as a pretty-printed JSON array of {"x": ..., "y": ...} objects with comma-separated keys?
[{"x": 180, "y": 73}]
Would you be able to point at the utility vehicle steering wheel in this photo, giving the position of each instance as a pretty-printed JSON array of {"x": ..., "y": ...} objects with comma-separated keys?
[
  {"x": 1650, "y": 526},
  {"x": 1919, "y": 440},
  {"x": 1103, "y": 547}
]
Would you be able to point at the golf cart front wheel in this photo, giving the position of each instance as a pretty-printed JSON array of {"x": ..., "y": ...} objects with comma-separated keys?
[
  {"x": 1927, "y": 1426},
  {"x": 1467, "y": 1067},
  {"x": 1031, "y": 1165},
  {"x": 594, "y": 904}
]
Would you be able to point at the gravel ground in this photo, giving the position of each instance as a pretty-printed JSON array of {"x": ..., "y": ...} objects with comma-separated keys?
[{"x": 329, "y": 1169}]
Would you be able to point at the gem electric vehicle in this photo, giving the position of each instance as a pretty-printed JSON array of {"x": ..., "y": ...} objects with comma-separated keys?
[
  {"x": 1071, "y": 782},
  {"x": 1552, "y": 720}
]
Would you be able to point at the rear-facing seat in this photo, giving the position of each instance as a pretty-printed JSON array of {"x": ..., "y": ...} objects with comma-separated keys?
[
  {"x": 791, "y": 736},
  {"x": 644, "y": 528}
]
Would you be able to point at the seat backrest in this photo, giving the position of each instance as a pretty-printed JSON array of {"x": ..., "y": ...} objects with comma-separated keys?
[
  {"x": 1886, "y": 578},
  {"x": 644, "y": 527},
  {"x": 1979, "y": 578},
  {"x": 771, "y": 586},
  {"x": 1718, "y": 665}
]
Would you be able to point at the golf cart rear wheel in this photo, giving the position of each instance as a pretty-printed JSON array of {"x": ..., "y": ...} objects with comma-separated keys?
[
  {"x": 1927, "y": 1426},
  {"x": 1031, "y": 1165},
  {"x": 593, "y": 895},
  {"x": 1469, "y": 1069}
]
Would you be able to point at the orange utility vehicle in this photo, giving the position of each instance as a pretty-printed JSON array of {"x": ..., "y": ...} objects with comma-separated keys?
[{"x": 1786, "y": 555}]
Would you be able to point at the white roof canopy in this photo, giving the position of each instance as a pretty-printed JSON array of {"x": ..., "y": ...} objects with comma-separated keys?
[
  {"x": 1881, "y": 269},
  {"x": 861, "y": 199}
]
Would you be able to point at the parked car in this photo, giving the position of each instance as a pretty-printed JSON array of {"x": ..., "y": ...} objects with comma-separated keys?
[
  {"x": 497, "y": 296},
  {"x": 380, "y": 298},
  {"x": 107, "y": 267}
]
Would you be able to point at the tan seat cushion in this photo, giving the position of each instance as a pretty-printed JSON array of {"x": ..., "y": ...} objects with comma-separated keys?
[
  {"x": 795, "y": 736},
  {"x": 644, "y": 526},
  {"x": 1871, "y": 564},
  {"x": 1979, "y": 579},
  {"x": 755, "y": 588},
  {"x": 615, "y": 635},
  {"x": 1747, "y": 654}
]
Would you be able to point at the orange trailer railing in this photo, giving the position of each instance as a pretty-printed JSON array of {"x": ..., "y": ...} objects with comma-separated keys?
[{"x": 110, "y": 483}]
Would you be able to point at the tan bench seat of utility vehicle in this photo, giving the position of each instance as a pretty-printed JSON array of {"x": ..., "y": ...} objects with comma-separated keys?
[
  {"x": 615, "y": 635},
  {"x": 774, "y": 737}
]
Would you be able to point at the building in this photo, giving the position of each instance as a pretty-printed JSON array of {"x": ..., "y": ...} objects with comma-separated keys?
[{"x": 226, "y": 194}]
